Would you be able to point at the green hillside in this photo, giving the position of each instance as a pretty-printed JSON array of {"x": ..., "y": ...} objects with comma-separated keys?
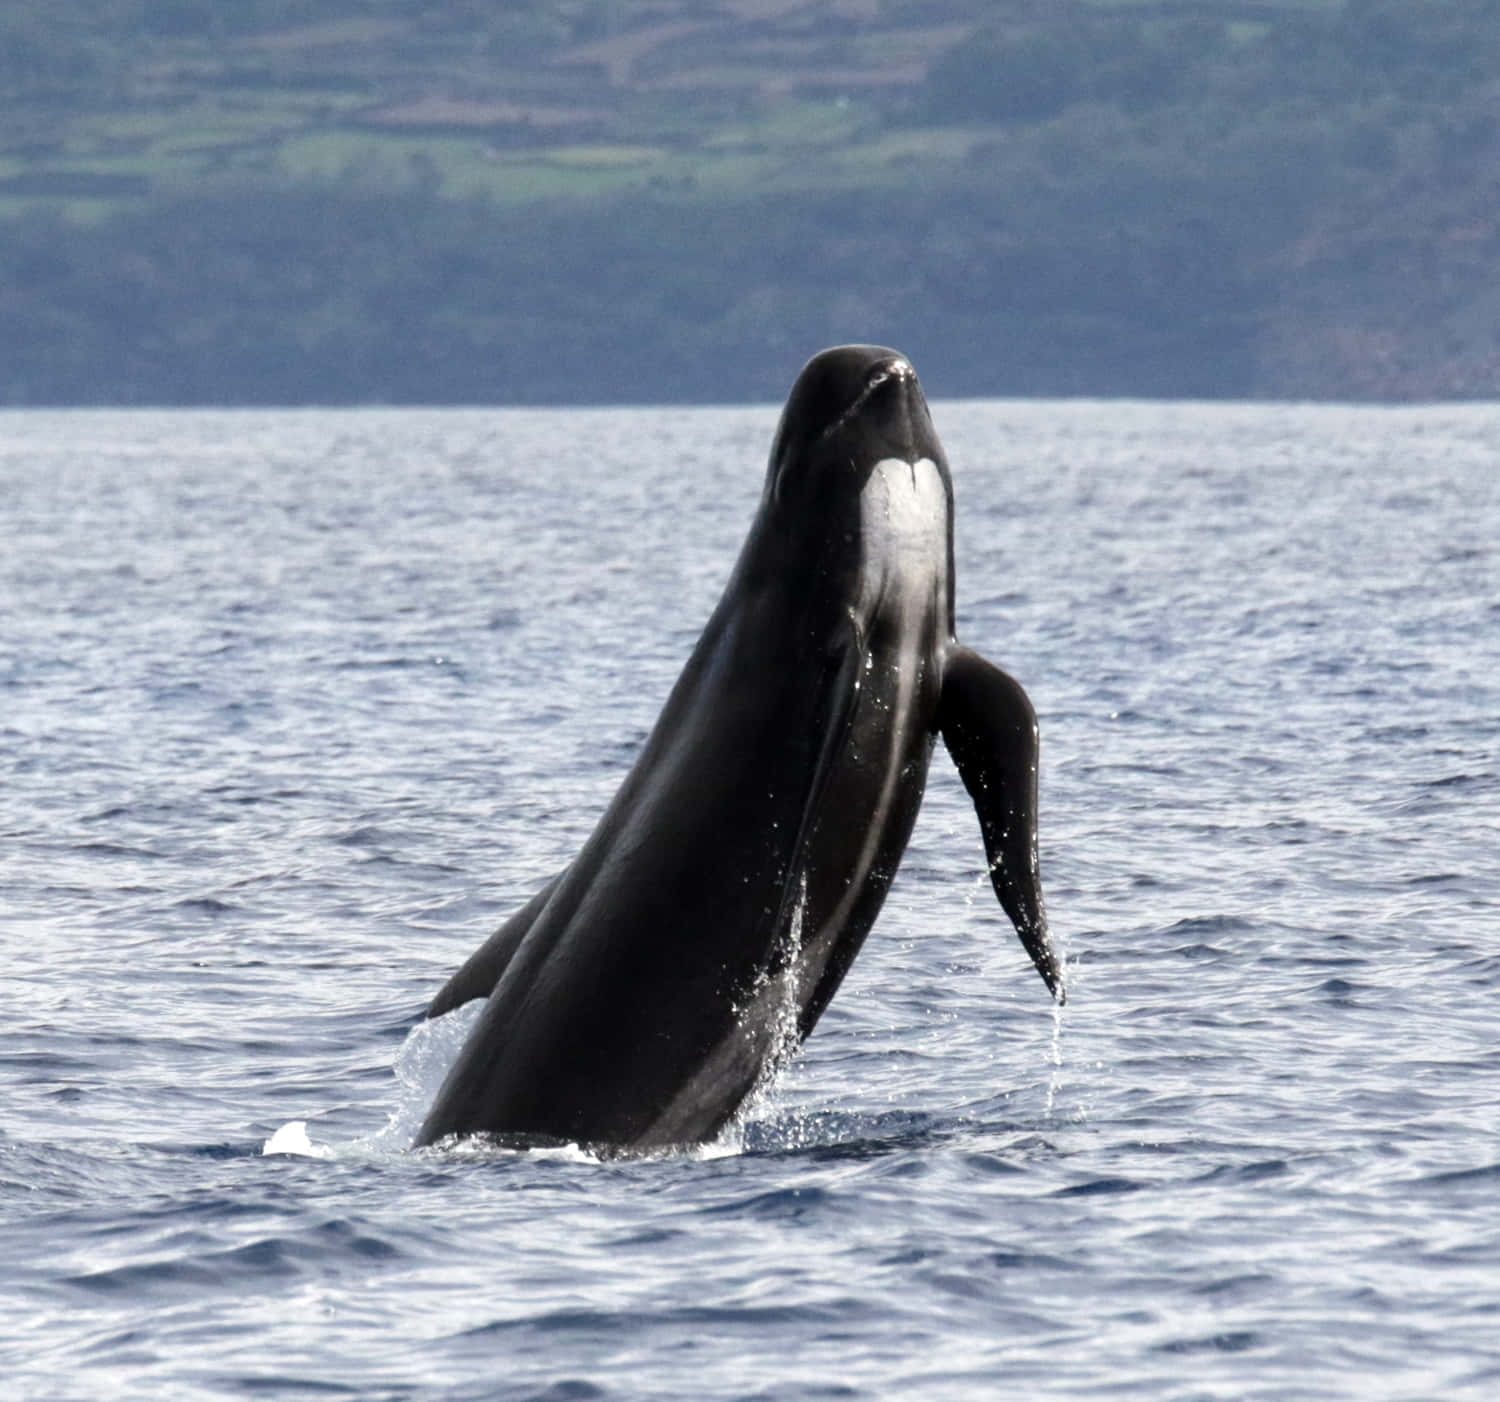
[{"x": 285, "y": 201}]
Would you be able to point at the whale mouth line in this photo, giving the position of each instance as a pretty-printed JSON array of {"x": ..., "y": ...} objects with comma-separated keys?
[{"x": 898, "y": 369}]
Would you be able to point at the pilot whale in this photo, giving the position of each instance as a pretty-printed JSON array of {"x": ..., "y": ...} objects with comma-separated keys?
[{"x": 643, "y": 993}]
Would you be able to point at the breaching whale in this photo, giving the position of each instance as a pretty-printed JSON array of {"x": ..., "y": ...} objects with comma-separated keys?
[{"x": 641, "y": 994}]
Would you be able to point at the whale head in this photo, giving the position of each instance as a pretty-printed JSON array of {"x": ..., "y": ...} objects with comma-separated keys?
[
  {"x": 850, "y": 408},
  {"x": 858, "y": 490}
]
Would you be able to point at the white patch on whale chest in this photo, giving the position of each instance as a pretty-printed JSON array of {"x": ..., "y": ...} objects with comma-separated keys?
[{"x": 903, "y": 512}]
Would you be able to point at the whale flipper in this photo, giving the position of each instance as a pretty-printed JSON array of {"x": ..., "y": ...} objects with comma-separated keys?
[
  {"x": 839, "y": 695},
  {"x": 989, "y": 725},
  {"x": 481, "y": 970}
]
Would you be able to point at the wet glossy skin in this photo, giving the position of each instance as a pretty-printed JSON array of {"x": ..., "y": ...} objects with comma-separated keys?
[{"x": 710, "y": 917}]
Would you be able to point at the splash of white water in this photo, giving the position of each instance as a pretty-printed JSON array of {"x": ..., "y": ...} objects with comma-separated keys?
[
  {"x": 423, "y": 1061},
  {"x": 783, "y": 991},
  {"x": 1055, "y": 1075},
  {"x": 291, "y": 1139}
]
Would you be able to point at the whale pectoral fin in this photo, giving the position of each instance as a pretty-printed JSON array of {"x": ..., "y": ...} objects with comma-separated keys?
[
  {"x": 481, "y": 970},
  {"x": 989, "y": 726},
  {"x": 842, "y": 667}
]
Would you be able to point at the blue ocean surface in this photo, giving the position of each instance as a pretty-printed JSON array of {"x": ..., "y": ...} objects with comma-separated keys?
[{"x": 296, "y": 706}]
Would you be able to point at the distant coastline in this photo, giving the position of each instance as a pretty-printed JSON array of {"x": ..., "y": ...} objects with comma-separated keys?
[{"x": 403, "y": 204}]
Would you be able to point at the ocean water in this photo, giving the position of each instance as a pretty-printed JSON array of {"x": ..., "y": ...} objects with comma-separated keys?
[{"x": 294, "y": 707}]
